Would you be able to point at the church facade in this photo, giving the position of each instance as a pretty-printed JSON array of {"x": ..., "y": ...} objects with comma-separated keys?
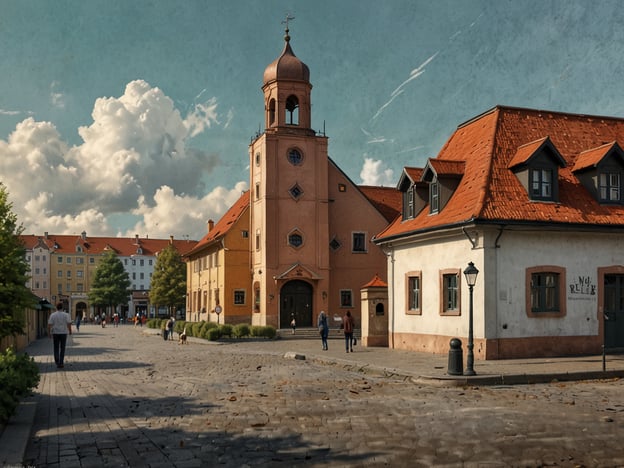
[{"x": 310, "y": 226}]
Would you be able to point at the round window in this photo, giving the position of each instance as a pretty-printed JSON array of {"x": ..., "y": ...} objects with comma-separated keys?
[{"x": 295, "y": 157}]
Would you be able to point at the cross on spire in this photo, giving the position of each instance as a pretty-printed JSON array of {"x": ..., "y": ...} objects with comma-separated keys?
[{"x": 288, "y": 18}]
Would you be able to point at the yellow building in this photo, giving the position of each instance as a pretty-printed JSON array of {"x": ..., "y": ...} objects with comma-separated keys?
[{"x": 216, "y": 293}]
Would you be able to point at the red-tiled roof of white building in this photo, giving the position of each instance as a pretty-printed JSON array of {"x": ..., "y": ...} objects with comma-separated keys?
[{"x": 489, "y": 191}]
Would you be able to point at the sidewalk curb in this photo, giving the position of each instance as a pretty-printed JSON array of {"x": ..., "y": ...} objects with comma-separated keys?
[{"x": 16, "y": 434}]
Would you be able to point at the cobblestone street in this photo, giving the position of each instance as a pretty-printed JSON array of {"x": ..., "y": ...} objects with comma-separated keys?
[{"x": 126, "y": 398}]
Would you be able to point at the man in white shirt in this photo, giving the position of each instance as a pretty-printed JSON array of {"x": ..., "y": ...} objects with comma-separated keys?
[{"x": 59, "y": 325}]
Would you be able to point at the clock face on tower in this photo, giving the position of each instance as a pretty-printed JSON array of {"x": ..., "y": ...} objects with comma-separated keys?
[{"x": 295, "y": 157}]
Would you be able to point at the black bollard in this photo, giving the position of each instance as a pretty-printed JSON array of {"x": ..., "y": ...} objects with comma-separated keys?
[{"x": 455, "y": 358}]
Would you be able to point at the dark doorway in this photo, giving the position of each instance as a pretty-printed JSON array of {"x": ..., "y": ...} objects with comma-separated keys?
[
  {"x": 614, "y": 311},
  {"x": 296, "y": 301}
]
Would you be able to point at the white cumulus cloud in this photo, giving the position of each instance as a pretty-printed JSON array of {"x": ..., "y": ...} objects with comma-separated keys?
[
  {"x": 375, "y": 172},
  {"x": 135, "y": 159}
]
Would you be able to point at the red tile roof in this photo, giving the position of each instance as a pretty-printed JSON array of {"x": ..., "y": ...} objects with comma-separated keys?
[
  {"x": 387, "y": 200},
  {"x": 123, "y": 246},
  {"x": 376, "y": 282},
  {"x": 490, "y": 192},
  {"x": 225, "y": 223},
  {"x": 592, "y": 157}
]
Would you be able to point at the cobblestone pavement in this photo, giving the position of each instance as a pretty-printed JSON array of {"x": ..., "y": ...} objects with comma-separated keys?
[{"x": 126, "y": 398}]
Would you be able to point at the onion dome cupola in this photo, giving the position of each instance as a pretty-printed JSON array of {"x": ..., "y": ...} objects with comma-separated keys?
[{"x": 287, "y": 88}]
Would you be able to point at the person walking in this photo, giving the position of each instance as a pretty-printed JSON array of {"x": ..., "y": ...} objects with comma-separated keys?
[
  {"x": 78, "y": 320},
  {"x": 59, "y": 325},
  {"x": 349, "y": 325},
  {"x": 323, "y": 328},
  {"x": 293, "y": 323},
  {"x": 170, "y": 327}
]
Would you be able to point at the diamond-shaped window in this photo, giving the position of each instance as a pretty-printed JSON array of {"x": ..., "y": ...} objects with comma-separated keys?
[
  {"x": 296, "y": 191},
  {"x": 335, "y": 244}
]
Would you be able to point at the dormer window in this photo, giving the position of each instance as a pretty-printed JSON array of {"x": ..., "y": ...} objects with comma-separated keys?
[
  {"x": 600, "y": 171},
  {"x": 536, "y": 165},
  {"x": 610, "y": 187},
  {"x": 434, "y": 197},
  {"x": 541, "y": 184}
]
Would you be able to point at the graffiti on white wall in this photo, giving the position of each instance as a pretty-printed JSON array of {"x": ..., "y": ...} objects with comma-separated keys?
[{"x": 582, "y": 288}]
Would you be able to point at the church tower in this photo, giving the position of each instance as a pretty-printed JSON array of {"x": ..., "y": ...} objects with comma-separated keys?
[{"x": 289, "y": 203}]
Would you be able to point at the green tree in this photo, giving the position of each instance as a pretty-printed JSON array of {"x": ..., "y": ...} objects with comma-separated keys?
[
  {"x": 111, "y": 283},
  {"x": 15, "y": 297},
  {"x": 168, "y": 285}
]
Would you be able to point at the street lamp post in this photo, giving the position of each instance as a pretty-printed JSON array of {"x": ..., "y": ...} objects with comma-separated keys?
[{"x": 470, "y": 273}]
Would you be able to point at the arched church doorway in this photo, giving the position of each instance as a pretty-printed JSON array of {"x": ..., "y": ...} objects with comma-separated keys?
[{"x": 296, "y": 300}]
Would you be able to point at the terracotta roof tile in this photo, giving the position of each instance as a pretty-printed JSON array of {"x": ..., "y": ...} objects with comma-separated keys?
[
  {"x": 592, "y": 157},
  {"x": 490, "y": 191},
  {"x": 387, "y": 200},
  {"x": 224, "y": 224},
  {"x": 123, "y": 246},
  {"x": 376, "y": 282}
]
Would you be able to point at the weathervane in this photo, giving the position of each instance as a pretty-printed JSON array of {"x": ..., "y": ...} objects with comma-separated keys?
[{"x": 288, "y": 18}]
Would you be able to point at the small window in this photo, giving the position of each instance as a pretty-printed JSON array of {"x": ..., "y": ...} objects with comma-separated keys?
[
  {"x": 413, "y": 292},
  {"x": 346, "y": 298},
  {"x": 150, "y": 262},
  {"x": 257, "y": 240},
  {"x": 434, "y": 197},
  {"x": 239, "y": 297},
  {"x": 408, "y": 200},
  {"x": 450, "y": 292},
  {"x": 610, "y": 187},
  {"x": 141, "y": 262},
  {"x": 60, "y": 259},
  {"x": 257, "y": 159},
  {"x": 359, "y": 242},
  {"x": 335, "y": 244},
  {"x": 296, "y": 191},
  {"x": 69, "y": 273},
  {"x": 133, "y": 262},
  {"x": 541, "y": 184},
  {"x": 69, "y": 260},
  {"x": 245, "y": 234},
  {"x": 91, "y": 259},
  {"x": 59, "y": 273},
  {"x": 79, "y": 274},
  {"x": 257, "y": 191},
  {"x": 342, "y": 188},
  {"x": 295, "y": 240},
  {"x": 295, "y": 157},
  {"x": 545, "y": 292}
]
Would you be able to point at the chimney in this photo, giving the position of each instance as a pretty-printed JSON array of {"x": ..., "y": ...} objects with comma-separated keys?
[
  {"x": 210, "y": 225},
  {"x": 45, "y": 234},
  {"x": 84, "y": 235},
  {"x": 171, "y": 239},
  {"x": 136, "y": 239}
]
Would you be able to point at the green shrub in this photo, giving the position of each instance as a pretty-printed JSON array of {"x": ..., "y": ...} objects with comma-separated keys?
[
  {"x": 226, "y": 330},
  {"x": 241, "y": 330},
  {"x": 18, "y": 376},
  {"x": 195, "y": 329},
  {"x": 263, "y": 331},
  {"x": 179, "y": 326},
  {"x": 213, "y": 334},
  {"x": 269, "y": 332}
]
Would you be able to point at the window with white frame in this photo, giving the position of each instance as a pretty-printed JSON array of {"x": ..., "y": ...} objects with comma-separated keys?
[{"x": 413, "y": 287}]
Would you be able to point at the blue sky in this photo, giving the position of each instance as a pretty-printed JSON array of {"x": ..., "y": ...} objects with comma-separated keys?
[{"x": 120, "y": 117}]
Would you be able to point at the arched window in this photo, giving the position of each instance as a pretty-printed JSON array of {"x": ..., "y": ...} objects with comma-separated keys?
[
  {"x": 292, "y": 110},
  {"x": 271, "y": 112}
]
